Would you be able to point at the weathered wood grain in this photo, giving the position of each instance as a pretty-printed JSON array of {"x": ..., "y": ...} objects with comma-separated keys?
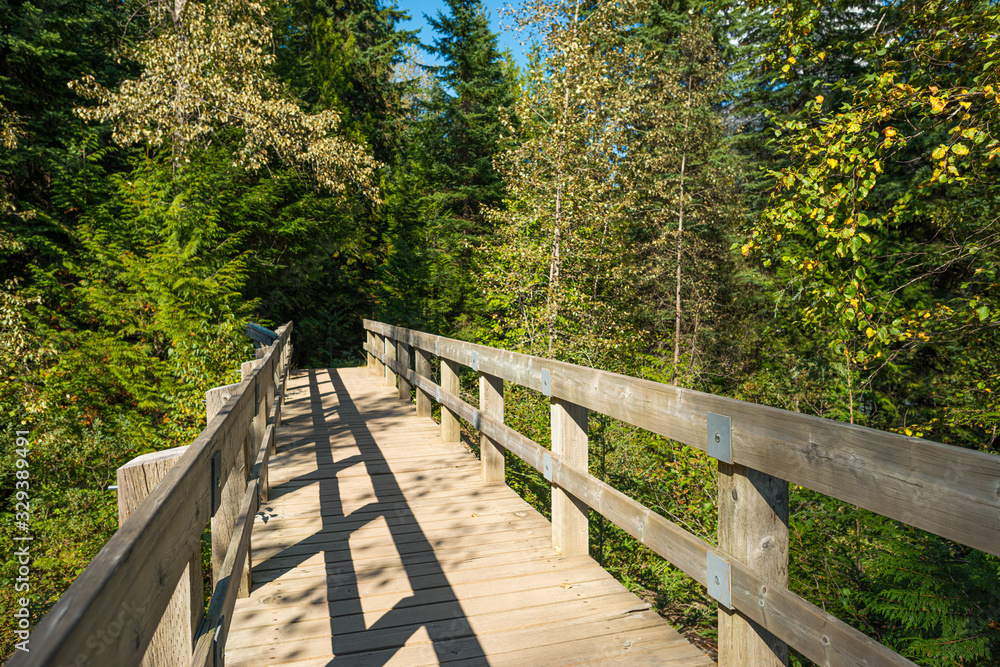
[
  {"x": 451, "y": 430},
  {"x": 390, "y": 361},
  {"x": 341, "y": 582},
  {"x": 490, "y": 453},
  {"x": 226, "y": 590},
  {"x": 570, "y": 516},
  {"x": 423, "y": 369},
  {"x": 753, "y": 526},
  {"x": 115, "y": 605},
  {"x": 950, "y": 491},
  {"x": 174, "y": 637},
  {"x": 403, "y": 361},
  {"x": 769, "y": 604}
]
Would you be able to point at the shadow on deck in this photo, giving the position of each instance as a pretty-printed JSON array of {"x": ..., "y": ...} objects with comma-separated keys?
[{"x": 379, "y": 545}]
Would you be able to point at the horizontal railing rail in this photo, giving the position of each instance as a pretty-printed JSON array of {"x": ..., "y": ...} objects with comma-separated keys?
[
  {"x": 946, "y": 490},
  {"x": 111, "y": 612}
]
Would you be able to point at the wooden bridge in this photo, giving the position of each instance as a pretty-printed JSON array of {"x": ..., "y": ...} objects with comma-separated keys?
[{"x": 349, "y": 528}]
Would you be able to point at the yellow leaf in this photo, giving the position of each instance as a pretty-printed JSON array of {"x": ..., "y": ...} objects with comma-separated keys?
[
  {"x": 960, "y": 149},
  {"x": 832, "y": 162},
  {"x": 869, "y": 332}
]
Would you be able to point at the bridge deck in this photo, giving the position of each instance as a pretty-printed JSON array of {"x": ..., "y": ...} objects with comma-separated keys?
[{"x": 379, "y": 545}]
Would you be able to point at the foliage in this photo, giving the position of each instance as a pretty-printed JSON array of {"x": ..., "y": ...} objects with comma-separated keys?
[{"x": 206, "y": 68}]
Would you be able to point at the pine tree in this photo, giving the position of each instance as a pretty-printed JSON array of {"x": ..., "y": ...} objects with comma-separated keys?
[{"x": 456, "y": 145}]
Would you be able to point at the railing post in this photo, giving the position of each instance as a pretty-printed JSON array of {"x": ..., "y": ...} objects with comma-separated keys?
[
  {"x": 403, "y": 358},
  {"x": 423, "y": 369},
  {"x": 450, "y": 428},
  {"x": 491, "y": 405},
  {"x": 390, "y": 356},
  {"x": 233, "y": 484},
  {"x": 174, "y": 638},
  {"x": 378, "y": 344},
  {"x": 370, "y": 337},
  {"x": 570, "y": 516},
  {"x": 753, "y": 527}
]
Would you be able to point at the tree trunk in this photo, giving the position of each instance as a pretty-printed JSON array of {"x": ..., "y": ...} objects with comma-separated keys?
[{"x": 680, "y": 241}]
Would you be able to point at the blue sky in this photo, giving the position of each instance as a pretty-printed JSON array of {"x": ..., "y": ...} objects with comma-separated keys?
[{"x": 417, "y": 9}]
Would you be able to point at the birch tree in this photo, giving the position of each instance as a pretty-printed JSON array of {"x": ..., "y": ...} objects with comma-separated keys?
[
  {"x": 684, "y": 175},
  {"x": 568, "y": 193},
  {"x": 205, "y": 68}
]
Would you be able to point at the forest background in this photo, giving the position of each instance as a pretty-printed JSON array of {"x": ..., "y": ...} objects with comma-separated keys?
[{"x": 792, "y": 203}]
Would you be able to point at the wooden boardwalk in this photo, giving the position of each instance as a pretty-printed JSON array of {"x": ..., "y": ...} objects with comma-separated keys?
[{"x": 380, "y": 545}]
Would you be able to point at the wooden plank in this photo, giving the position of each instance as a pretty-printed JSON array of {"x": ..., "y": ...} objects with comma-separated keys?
[
  {"x": 432, "y": 602},
  {"x": 946, "y": 490},
  {"x": 220, "y": 608},
  {"x": 570, "y": 516},
  {"x": 368, "y": 354},
  {"x": 753, "y": 526},
  {"x": 395, "y": 577},
  {"x": 379, "y": 348},
  {"x": 403, "y": 359},
  {"x": 390, "y": 361},
  {"x": 217, "y": 397},
  {"x": 174, "y": 636},
  {"x": 335, "y": 546},
  {"x": 450, "y": 429},
  {"x": 423, "y": 369},
  {"x": 132, "y": 578},
  {"x": 289, "y": 577},
  {"x": 493, "y": 633},
  {"x": 488, "y": 525},
  {"x": 490, "y": 453},
  {"x": 770, "y": 605}
]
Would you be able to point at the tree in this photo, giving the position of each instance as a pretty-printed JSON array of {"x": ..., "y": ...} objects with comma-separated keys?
[
  {"x": 684, "y": 172},
  {"x": 454, "y": 148},
  {"x": 885, "y": 216},
  {"x": 882, "y": 228},
  {"x": 206, "y": 68}
]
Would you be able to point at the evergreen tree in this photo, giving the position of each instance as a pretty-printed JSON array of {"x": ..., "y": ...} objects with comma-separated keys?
[{"x": 456, "y": 146}]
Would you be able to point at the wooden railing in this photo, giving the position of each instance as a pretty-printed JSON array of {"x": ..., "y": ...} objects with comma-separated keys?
[
  {"x": 946, "y": 490},
  {"x": 140, "y": 600}
]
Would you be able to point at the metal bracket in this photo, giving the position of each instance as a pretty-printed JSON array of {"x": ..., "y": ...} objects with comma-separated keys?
[
  {"x": 720, "y": 580},
  {"x": 437, "y": 391},
  {"x": 720, "y": 437},
  {"x": 436, "y": 349},
  {"x": 475, "y": 361},
  {"x": 546, "y": 382},
  {"x": 475, "y": 420},
  {"x": 216, "y": 482},
  {"x": 256, "y": 396},
  {"x": 547, "y": 466}
]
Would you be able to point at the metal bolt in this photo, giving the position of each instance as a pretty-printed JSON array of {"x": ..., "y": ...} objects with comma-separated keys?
[
  {"x": 717, "y": 582},
  {"x": 718, "y": 438}
]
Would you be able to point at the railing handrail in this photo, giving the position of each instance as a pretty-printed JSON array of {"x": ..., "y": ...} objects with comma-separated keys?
[
  {"x": 111, "y": 611},
  {"x": 944, "y": 489}
]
